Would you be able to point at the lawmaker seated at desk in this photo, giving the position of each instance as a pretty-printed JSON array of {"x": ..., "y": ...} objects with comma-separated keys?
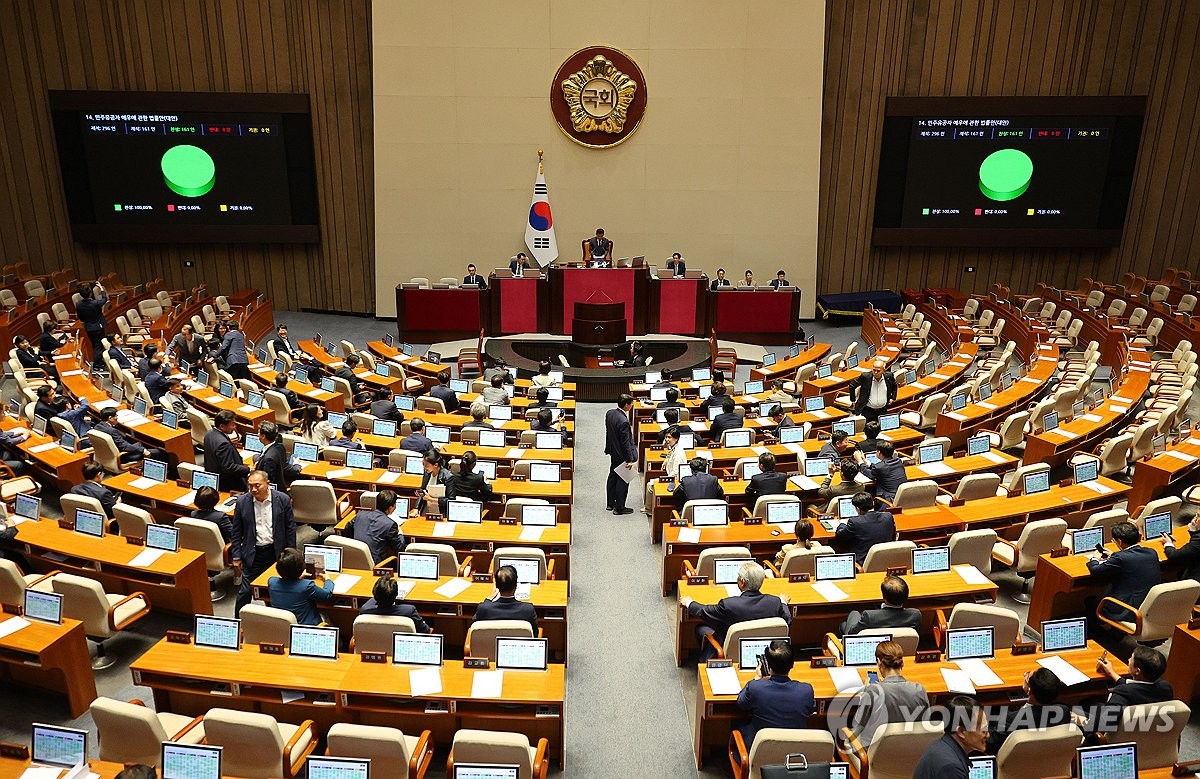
[
  {"x": 93, "y": 474},
  {"x": 870, "y": 442},
  {"x": 297, "y": 592},
  {"x": 442, "y": 391},
  {"x": 767, "y": 481},
  {"x": 966, "y": 731},
  {"x": 416, "y": 441},
  {"x": 779, "y": 393},
  {"x": 315, "y": 428},
  {"x": 597, "y": 251},
  {"x": 847, "y": 482},
  {"x": 676, "y": 457},
  {"x": 1144, "y": 684},
  {"x": 30, "y": 361},
  {"x": 376, "y": 528},
  {"x": 700, "y": 485},
  {"x": 117, "y": 353},
  {"x": 892, "y": 613},
  {"x": 479, "y": 412},
  {"x": 870, "y": 527},
  {"x": 677, "y": 266},
  {"x": 384, "y": 407},
  {"x": 1043, "y": 710},
  {"x": 670, "y": 419},
  {"x": 838, "y": 446},
  {"x": 773, "y": 698},
  {"x": 385, "y": 602},
  {"x": 888, "y": 473},
  {"x": 346, "y": 440},
  {"x": 1130, "y": 572},
  {"x": 720, "y": 282},
  {"x": 131, "y": 451},
  {"x": 543, "y": 399},
  {"x": 503, "y": 603},
  {"x": 281, "y": 386},
  {"x": 716, "y": 396},
  {"x": 750, "y": 604},
  {"x": 892, "y": 699},
  {"x": 206, "y": 501},
  {"x": 544, "y": 423},
  {"x": 543, "y": 377},
  {"x": 495, "y": 394},
  {"x": 780, "y": 281},
  {"x": 672, "y": 401},
  {"x": 174, "y": 400},
  {"x": 804, "y": 535},
  {"x": 1188, "y": 555},
  {"x": 728, "y": 419},
  {"x": 467, "y": 483}
]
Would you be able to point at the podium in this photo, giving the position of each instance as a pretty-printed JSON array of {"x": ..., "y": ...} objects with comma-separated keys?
[{"x": 598, "y": 324}]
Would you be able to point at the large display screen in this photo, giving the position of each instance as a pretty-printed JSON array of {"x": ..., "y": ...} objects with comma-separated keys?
[
  {"x": 187, "y": 167},
  {"x": 1006, "y": 171}
]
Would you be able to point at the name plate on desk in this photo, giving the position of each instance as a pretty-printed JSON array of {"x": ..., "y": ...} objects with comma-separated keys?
[
  {"x": 1024, "y": 648},
  {"x": 928, "y": 656},
  {"x": 476, "y": 662},
  {"x": 730, "y": 478},
  {"x": 720, "y": 663},
  {"x": 508, "y": 520},
  {"x": 135, "y": 540},
  {"x": 795, "y": 578},
  {"x": 679, "y": 523},
  {"x": 752, "y": 521},
  {"x": 11, "y": 608},
  {"x": 956, "y": 502},
  {"x": 897, "y": 570},
  {"x": 384, "y": 571},
  {"x": 14, "y": 751},
  {"x": 269, "y": 648},
  {"x": 822, "y": 661},
  {"x": 1059, "y": 551},
  {"x": 66, "y": 524},
  {"x": 514, "y": 477},
  {"x": 697, "y": 581},
  {"x": 178, "y": 637},
  {"x": 373, "y": 657},
  {"x": 481, "y": 578}
]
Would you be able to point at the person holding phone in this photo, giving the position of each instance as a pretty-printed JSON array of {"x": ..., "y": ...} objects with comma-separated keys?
[
  {"x": 773, "y": 698},
  {"x": 892, "y": 699},
  {"x": 1187, "y": 555}
]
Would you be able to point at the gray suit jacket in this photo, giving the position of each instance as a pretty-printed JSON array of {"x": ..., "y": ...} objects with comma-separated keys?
[
  {"x": 893, "y": 699},
  {"x": 233, "y": 348}
]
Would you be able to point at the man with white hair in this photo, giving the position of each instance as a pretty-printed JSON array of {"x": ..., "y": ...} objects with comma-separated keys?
[
  {"x": 872, "y": 393},
  {"x": 749, "y": 604}
]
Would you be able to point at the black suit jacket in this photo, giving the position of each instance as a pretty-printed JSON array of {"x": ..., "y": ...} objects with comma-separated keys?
[
  {"x": 726, "y": 612},
  {"x": 860, "y": 390},
  {"x": 866, "y": 530},
  {"x": 718, "y": 283},
  {"x": 273, "y": 460},
  {"x": 124, "y": 445},
  {"x": 468, "y": 485},
  {"x": 448, "y": 396},
  {"x": 723, "y": 422},
  {"x": 888, "y": 475},
  {"x": 283, "y": 527},
  {"x": 218, "y": 518},
  {"x": 281, "y": 346},
  {"x": 346, "y": 373},
  {"x": 507, "y": 608},
  {"x": 766, "y": 483},
  {"x": 293, "y": 400},
  {"x": 527, "y": 270},
  {"x": 221, "y": 457},
  {"x": 386, "y": 409},
  {"x": 677, "y": 267},
  {"x": 882, "y": 617},
  {"x": 1130, "y": 573},
  {"x": 699, "y": 486},
  {"x": 618, "y": 436},
  {"x": 476, "y": 279},
  {"x": 1187, "y": 555},
  {"x": 1127, "y": 692},
  {"x": 378, "y": 531},
  {"x": 98, "y": 491}
]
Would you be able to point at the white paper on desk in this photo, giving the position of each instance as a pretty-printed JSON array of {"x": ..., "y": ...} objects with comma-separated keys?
[
  {"x": 247, "y": 409},
  {"x": 862, "y": 478},
  {"x": 920, "y": 385},
  {"x": 732, "y": 590},
  {"x": 146, "y": 558},
  {"x": 515, "y": 453},
  {"x": 532, "y": 533},
  {"x": 723, "y": 681},
  {"x": 1194, "y": 441},
  {"x": 794, "y": 448},
  {"x": 71, "y": 373},
  {"x": 336, "y": 364},
  {"x": 697, "y": 426},
  {"x": 820, "y": 413},
  {"x": 41, "y": 772},
  {"x": 12, "y": 625},
  {"x": 288, "y": 696},
  {"x": 803, "y": 482},
  {"x": 344, "y": 581},
  {"x": 1093, "y": 417},
  {"x": 955, "y": 415},
  {"x": 1187, "y": 458},
  {"x": 187, "y": 497},
  {"x": 935, "y": 469},
  {"x": 1030, "y": 379},
  {"x": 846, "y": 679},
  {"x": 444, "y": 529},
  {"x": 980, "y": 672},
  {"x": 1118, "y": 409},
  {"x": 985, "y": 404},
  {"x": 1098, "y": 487},
  {"x": 524, "y": 591},
  {"x": 404, "y": 587},
  {"x": 764, "y": 421},
  {"x": 260, "y": 368},
  {"x": 134, "y": 420},
  {"x": 626, "y": 473},
  {"x": 1066, "y": 673},
  {"x": 993, "y": 456},
  {"x": 829, "y": 591},
  {"x": 143, "y": 483},
  {"x": 425, "y": 681},
  {"x": 487, "y": 684},
  {"x": 759, "y": 449},
  {"x": 391, "y": 477},
  {"x": 103, "y": 404},
  {"x": 452, "y": 587},
  {"x": 971, "y": 575},
  {"x": 339, "y": 473},
  {"x": 958, "y": 681},
  {"x": 43, "y": 447},
  {"x": 689, "y": 535}
]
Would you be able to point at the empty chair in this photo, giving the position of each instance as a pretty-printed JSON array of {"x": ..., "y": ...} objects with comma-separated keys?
[
  {"x": 1006, "y": 622},
  {"x": 403, "y": 756},
  {"x": 1114, "y": 454},
  {"x": 1037, "y": 538},
  {"x": 973, "y": 486},
  {"x": 263, "y": 624},
  {"x": 707, "y": 561},
  {"x": 1116, "y": 309},
  {"x": 314, "y": 502},
  {"x": 916, "y": 494},
  {"x": 13, "y": 582},
  {"x": 1038, "y": 752},
  {"x": 257, "y": 746},
  {"x": 448, "y": 562},
  {"x": 1013, "y": 481},
  {"x": 1157, "y": 747},
  {"x": 373, "y": 632},
  {"x": 356, "y": 555},
  {"x": 973, "y": 547},
  {"x": 130, "y": 733},
  {"x": 970, "y": 308},
  {"x": 890, "y": 554},
  {"x": 102, "y": 615},
  {"x": 895, "y": 749},
  {"x": 205, "y": 537},
  {"x": 482, "y": 635},
  {"x": 498, "y": 748},
  {"x": 926, "y": 418},
  {"x": 1166, "y": 605},
  {"x": 763, "y": 501},
  {"x": 772, "y": 746},
  {"x": 35, "y": 289},
  {"x": 131, "y": 520}
]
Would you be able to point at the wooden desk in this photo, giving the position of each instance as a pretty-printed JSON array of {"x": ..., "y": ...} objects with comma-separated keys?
[
  {"x": 166, "y": 501},
  {"x": 878, "y": 329},
  {"x": 813, "y": 616},
  {"x": 1152, "y": 476},
  {"x": 451, "y": 616},
  {"x": 175, "y": 582},
  {"x": 481, "y": 541},
  {"x": 786, "y": 369},
  {"x": 56, "y": 465},
  {"x": 417, "y": 368},
  {"x": 1182, "y": 663},
  {"x": 715, "y": 714},
  {"x": 1073, "y": 503},
  {"x": 947, "y": 378},
  {"x": 380, "y": 478},
  {"x": 210, "y": 401},
  {"x": 370, "y": 379},
  {"x": 264, "y": 376},
  {"x": 51, "y": 657}
]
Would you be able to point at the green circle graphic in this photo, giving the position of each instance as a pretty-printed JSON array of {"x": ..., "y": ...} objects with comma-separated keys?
[
  {"x": 188, "y": 170},
  {"x": 1005, "y": 174}
]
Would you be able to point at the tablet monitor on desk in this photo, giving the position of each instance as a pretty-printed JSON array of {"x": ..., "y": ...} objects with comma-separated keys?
[
  {"x": 931, "y": 559},
  {"x": 710, "y": 515},
  {"x": 90, "y": 523},
  {"x": 752, "y": 388},
  {"x": 1061, "y": 635},
  {"x": 500, "y": 413},
  {"x": 930, "y": 453},
  {"x": 383, "y": 427},
  {"x": 327, "y": 558},
  {"x": 404, "y": 402},
  {"x": 162, "y": 537},
  {"x": 817, "y": 467},
  {"x": 702, "y": 374},
  {"x": 304, "y": 452},
  {"x": 488, "y": 469},
  {"x": 550, "y": 440},
  {"x": 154, "y": 469},
  {"x": 316, "y": 642},
  {"x": 769, "y": 359},
  {"x": 791, "y": 435},
  {"x": 1115, "y": 761},
  {"x": 218, "y": 632},
  {"x": 1034, "y": 483},
  {"x": 57, "y": 746},
  {"x": 982, "y": 767},
  {"x": 834, "y": 567},
  {"x": 468, "y": 511},
  {"x": 970, "y": 643},
  {"x": 362, "y": 459},
  {"x": 337, "y": 419},
  {"x": 751, "y": 651},
  {"x": 190, "y": 761},
  {"x": 225, "y": 388},
  {"x": 491, "y": 438},
  {"x": 298, "y": 374},
  {"x": 705, "y": 391},
  {"x": 714, "y": 412},
  {"x": 859, "y": 650},
  {"x": 979, "y": 444},
  {"x": 68, "y": 441},
  {"x": 1084, "y": 540},
  {"x": 751, "y": 469},
  {"x": 280, "y": 365},
  {"x": 417, "y": 565},
  {"x": 255, "y": 399},
  {"x": 846, "y": 507},
  {"x": 736, "y": 439},
  {"x": 460, "y": 385},
  {"x": 480, "y": 771},
  {"x": 783, "y": 512},
  {"x": 767, "y": 408},
  {"x": 958, "y": 401},
  {"x": 522, "y": 654},
  {"x": 1158, "y": 444},
  {"x": 814, "y": 403},
  {"x": 416, "y": 649},
  {"x": 406, "y": 349},
  {"x": 685, "y": 469},
  {"x": 687, "y": 439},
  {"x": 202, "y": 377},
  {"x": 985, "y": 391},
  {"x": 439, "y": 435},
  {"x": 28, "y": 507},
  {"x": 929, "y": 367},
  {"x": 539, "y": 515},
  {"x": 846, "y": 425},
  {"x": 528, "y": 568},
  {"x": 254, "y": 444},
  {"x": 910, "y": 376},
  {"x": 42, "y": 606},
  {"x": 889, "y": 422},
  {"x": 824, "y": 371},
  {"x": 547, "y": 473},
  {"x": 204, "y": 479},
  {"x": 414, "y": 465},
  {"x": 1087, "y": 470},
  {"x": 1157, "y": 524},
  {"x": 726, "y": 571},
  {"x": 658, "y": 394},
  {"x": 141, "y": 407},
  {"x": 852, "y": 361},
  {"x": 794, "y": 352},
  {"x": 337, "y": 768},
  {"x": 328, "y": 385},
  {"x": 1050, "y": 421}
]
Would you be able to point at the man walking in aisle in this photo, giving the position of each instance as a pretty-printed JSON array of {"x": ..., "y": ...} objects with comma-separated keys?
[{"x": 622, "y": 453}]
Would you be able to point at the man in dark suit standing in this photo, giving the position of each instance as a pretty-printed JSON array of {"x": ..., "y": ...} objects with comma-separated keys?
[
  {"x": 442, "y": 392},
  {"x": 726, "y": 420},
  {"x": 93, "y": 298},
  {"x": 1187, "y": 555},
  {"x": 871, "y": 393},
  {"x": 750, "y": 604},
  {"x": 263, "y": 526},
  {"x": 870, "y": 527},
  {"x": 383, "y": 407},
  {"x": 891, "y": 614},
  {"x": 768, "y": 481},
  {"x": 503, "y": 603},
  {"x": 221, "y": 456},
  {"x": 621, "y": 451},
  {"x": 701, "y": 485},
  {"x": 375, "y": 528},
  {"x": 474, "y": 278},
  {"x": 273, "y": 459},
  {"x": 1130, "y": 571},
  {"x": 888, "y": 474}
]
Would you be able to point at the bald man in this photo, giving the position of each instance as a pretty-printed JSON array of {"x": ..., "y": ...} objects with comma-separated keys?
[{"x": 872, "y": 393}]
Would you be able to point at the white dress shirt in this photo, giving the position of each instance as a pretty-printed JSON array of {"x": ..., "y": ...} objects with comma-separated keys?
[
  {"x": 878, "y": 396},
  {"x": 264, "y": 527}
]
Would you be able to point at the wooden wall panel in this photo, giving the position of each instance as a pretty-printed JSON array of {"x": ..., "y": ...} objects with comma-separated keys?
[
  {"x": 881, "y": 48},
  {"x": 319, "y": 47}
]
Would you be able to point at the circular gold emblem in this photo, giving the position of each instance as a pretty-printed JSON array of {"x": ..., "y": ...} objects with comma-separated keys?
[{"x": 598, "y": 97}]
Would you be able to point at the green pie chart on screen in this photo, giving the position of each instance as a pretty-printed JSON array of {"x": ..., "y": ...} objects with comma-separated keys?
[
  {"x": 1005, "y": 174},
  {"x": 189, "y": 170}
]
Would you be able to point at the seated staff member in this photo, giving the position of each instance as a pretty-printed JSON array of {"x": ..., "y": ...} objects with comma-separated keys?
[
  {"x": 384, "y": 407},
  {"x": 293, "y": 590},
  {"x": 891, "y": 614},
  {"x": 263, "y": 526},
  {"x": 846, "y": 483},
  {"x": 543, "y": 378},
  {"x": 804, "y": 536},
  {"x": 442, "y": 391},
  {"x": 872, "y": 393},
  {"x": 750, "y": 604},
  {"x": 503, "y": 603},
  {"x": 870, "y": 527},
  {"x": 677, "y": 266},
  {"x": 780, "y": 280},
  {"x": 637, "y": 356},
  {"x": 29, "y": 359},
  {"x": 775, "y": 700},
  {"x": 1043, "y": 710},
  {"x": 597, "y": 251},
  {"x": 206, "y": 501},
  {"x": 747, "y": 280},
  {"x": 376, "y": 528},
  {"x": 294, "y": 401},
  {"x": 518, "y": 265},
  {"x": 888, "y": 474},
  {"x": 720, "y": 281},
  {"x": 701, "y": 485},
  {"x": 892, "y": 699},
  {"x": 91, "y": 487},
  {"x": 473, "y": 277},
  {"x": 131, "y": 451},
  {"x": 385, "y": 602},
  {"x": 966, "y": 726},
  {"x": 221, "y": 456},
  {"x": 768, "y": 481},
  {"x": 1130, "y": 572}
]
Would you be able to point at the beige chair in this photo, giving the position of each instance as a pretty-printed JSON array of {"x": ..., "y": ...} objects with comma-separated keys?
[
  {"x": 1038, "y": 752},
  {"x": 498, "y": 748},
  {"x": 266, "y": 625},
  {"x": 890, "y": 554},
  {"x": 973, "y": 547},
  {"x": 103, "y": 615},
  {"x": 545, "y": 569},
  {"x": 131, "y": 520},
  {"x": 772, "y": 746},
  {"x": 763, "y": 501},
  {"x": 1037, "y": 538},
  {"x": 1167, "y": 505},
  {"x": 1114, "y": 454},
  {"x": 205, "y": 537},
  {"x": 315, "y": 503},
  {"x": 769, "y": 627},
  {"x": 13, "y": 582},
  {"x": 373, "y": 632},
  {"x": 284, "y": 415},
  {"x": 706, "y": 563},
  {"x": 907, "y": 638},
  {"x": 430, "y": 404},
  {"x": 916, "y": 494},
  {"x": 1166, "y": 605},
  {"x": 801, "y": 560},
  {"x": 448, "y": 562},
  {"x": 1013, "y": 482},
  {"x": 1156, "y": 748},
  {"x": 686, "y": 513},
  {"x": 71, "y": 503},
  {"x": 404, "y": 757},
  {"x": 482, "y": 635},
  {"x": 257, "y": 746},
  {"x": 1011, "y": 436},
  {"x": 927, "y": 417},
  {"x": 514, "y": 506},
  {"x": 1007, "y": 623},
  {"x": 973, "y": 486},
  {"x": 200, "y": 423},
  {"x": 131, "y": 734},
  {"x": 356, "y": 555},
  {"x": 894, "y": 749}
]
